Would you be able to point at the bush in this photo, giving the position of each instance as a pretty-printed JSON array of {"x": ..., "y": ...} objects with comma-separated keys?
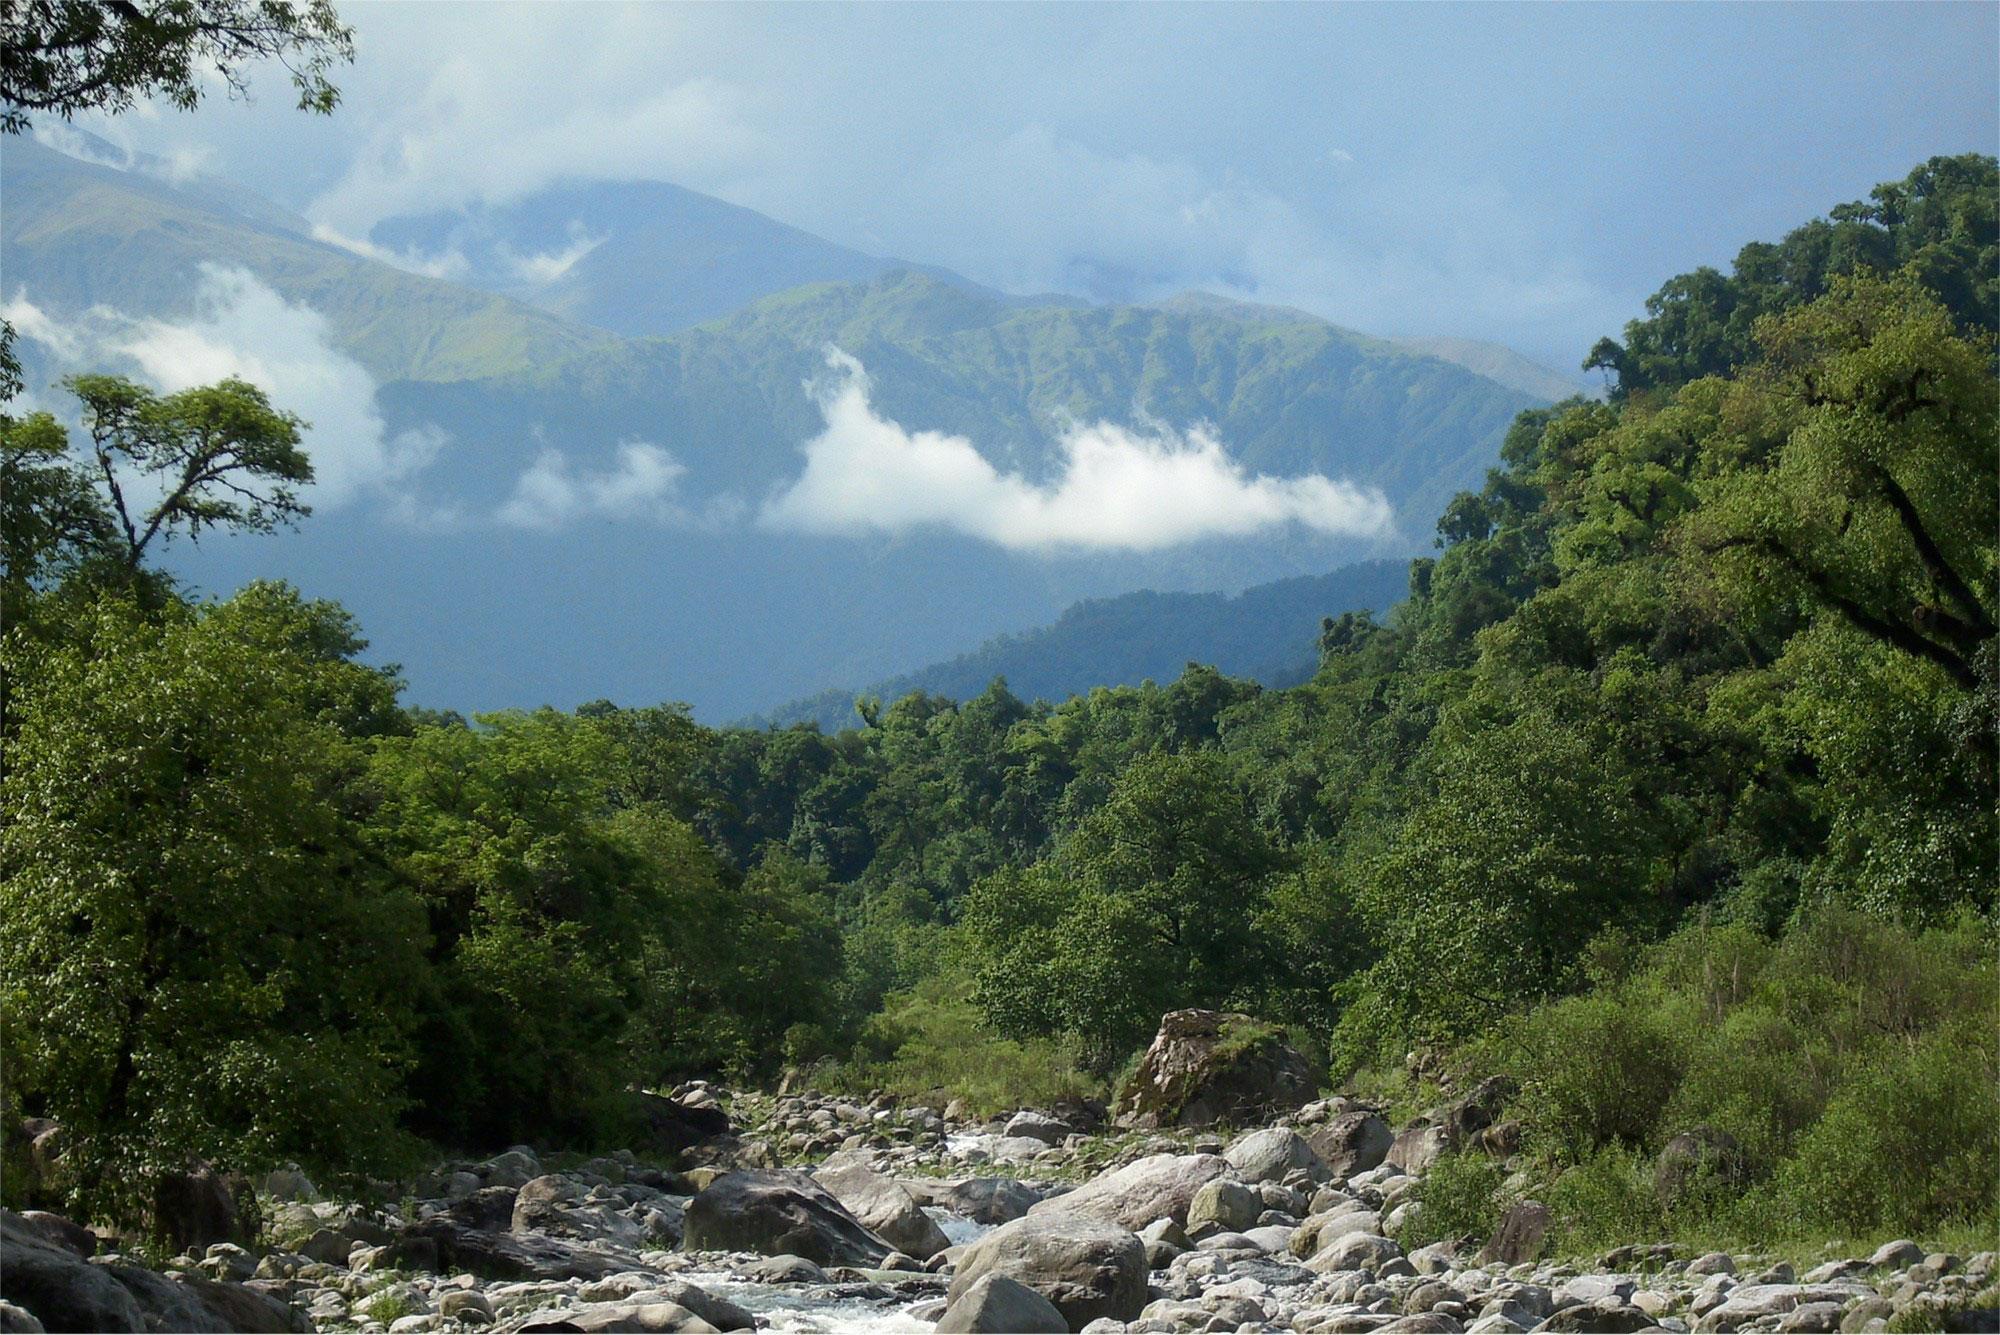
[
  {"x": 1605, "y": 1200},
  {"x": 1460, "y": 1198},
  {"x": 1596, "y": 1070},
  {"x": 1913, "y": 1141}
]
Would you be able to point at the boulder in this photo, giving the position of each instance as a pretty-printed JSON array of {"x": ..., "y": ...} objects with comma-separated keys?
[
  {"x": 1274, "y": 1154},
  {"x": 1084, "y": 1267},
  {"x": 1898, "y": 1255},
  {"x": 885, "y": 1207},
  {"x": 62, "y": 1232},
  {"x": 716, "y": 1311},
  {"x": 1205, "y": 1067},
  {"x": 1418, "y": 1146},
  {"x": 664, "y": 1126},
  {"x": 1355, "y": 1251},
  {"x": 59, "y": 1288},
  {"x": 997, "y": 1304},
  {"x": 1750, "y": 1302},
  {"x": 984, "y": 1200},
  {"x": 559, "y": 1207},
  {"x": 1160, "y": 1186},
  {"x": 777, "y": 1213},
  {"x": 1039, "y": 1126},
  {"x": 443, "y": 1244},
  {"x": 195, "y": 1208},
  {"x": 1222, "y": 1205},
  {"x": 1522, "y": 1234},
  {"x": 1699, "y": 1158},
  {"x": 647, "y": 1317},
  {"x": 1351, "y": 1143},
  {"x": 19, "y": 1321}
]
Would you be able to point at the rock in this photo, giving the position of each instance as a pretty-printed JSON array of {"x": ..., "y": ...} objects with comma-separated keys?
[
  {"x": 59, "y": 1288},
  {"x": 1351, "y": 1143},
  {"x": 1521, "y": 1236},
  {"x": 1039, "y": 1126},
  {"x": 467, "y": 1305},
  {"x": 1607, "y": 1316},
  {"x": 1313, "y": 1236},
  {"x": 197, "y": 1207},
  {"x": 884, "y": 1207},
  {"x": 984, "y": 1200},
  {"x": 442, "y": 1243},
  {"x": 1699, "y": 1159},
  {"x": 515, "y": 1168},
  {"x": 1418, "y": 1146},
  {"x": 62, "y": 1232},
  {"x": 1221, "y": 1205},
  {"x": 1866, "y": 1311},
  {"x": 490, "y": 1208},
  {"x": 1355, "y": 1251},
  {"x": 328, "y": 1247},
  {"x": 225, "y": 1260},
  {"x": 1439, "y": 1258},
  {"x": 289, "y": 1184},
  {"x": 1274, "y": 1154},
  {"x": 19, "y": 1321},
  {"x": 776, "y": 1213},
  {"x": 558, "y": 1206},
  {"x": 1001, "y": 1305},
  {"x": 663, "y": 1126},
  {"x": 1750, "y": 1302},
  {"x": 1086, "y": 1268},
  {"x": 1897, "y": 1255},
  {"x": 1712, "y": 1263},
  {"x": 1205, "y": 1067},
  {"x": 715, "y": 1310},
  {"x": 786, "y": 1269},
  {"x": 1160, "y": 1186},
  {"x": 1463, "y": 1119},
  {"x": 242, "y": 1307},
  {"x": 647, "y": 1317},
  {"x": 1812, "y": 1318}
]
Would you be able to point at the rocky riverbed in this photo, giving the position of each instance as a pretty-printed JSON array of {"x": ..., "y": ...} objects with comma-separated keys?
[{"x": 808, "y": 1212}]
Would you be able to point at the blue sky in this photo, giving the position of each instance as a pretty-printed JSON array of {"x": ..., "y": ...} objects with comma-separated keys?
[{"x": 1526, "y": 173}]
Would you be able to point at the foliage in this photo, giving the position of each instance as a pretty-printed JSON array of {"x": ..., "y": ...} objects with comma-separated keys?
[
  {"x": 68, "y": 56},
  {"x": 1457, "y": 1198}
]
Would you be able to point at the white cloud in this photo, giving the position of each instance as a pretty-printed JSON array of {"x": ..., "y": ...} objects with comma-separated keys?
[
  {"x": 643, "y": 484},
  {"x": 1118, "y": 488},
  {"x": 446, "y": 264},
  {"x": 548, "y": 267},
  {"x": 242, "y": 328}
]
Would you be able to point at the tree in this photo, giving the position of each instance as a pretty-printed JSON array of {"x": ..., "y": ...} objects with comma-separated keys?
[
  {"x": 198, "y": 960},
  {"x": 68, "y": 56},
  {"x": 218, "y": 454}
]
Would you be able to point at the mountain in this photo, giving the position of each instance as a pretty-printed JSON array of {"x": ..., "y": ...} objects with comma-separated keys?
[
  {"x": 1502, "y": 365},
  {"x": 78, "y": 234},
  {"x": 633, "y": 257},
  {"x": 1268, "y": 633},
  {"x": 684, "y": 593}
]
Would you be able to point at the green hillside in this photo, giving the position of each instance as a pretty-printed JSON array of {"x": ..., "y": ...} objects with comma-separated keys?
[
  {"x": 75, "y": 234},
  {"x": 1267, "y": 633}
]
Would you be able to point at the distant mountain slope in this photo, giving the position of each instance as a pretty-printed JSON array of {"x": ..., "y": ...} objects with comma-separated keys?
[
  {"x": 1286, "y": 393},
  {"x": 1268, "y": 633},
  {"x": 634, "y": 257},
  {"x": 1501, "y": 364},
  {"x": 78, "y": 234}
]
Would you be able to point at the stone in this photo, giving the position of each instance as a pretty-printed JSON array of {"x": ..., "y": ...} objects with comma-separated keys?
[
  {"x": 1353, "y": 1142},
  {"x": 195, "y": 1208},
  {"x": 441, "y": 1243},
  {"x": 716, "y": 1310},
  {"x": 1086, "y": 1268},
  {"x": 1313, "y": 1236},
  {"x": 1521, "y": 1237},
  {"x": 328, "y": 1247},
  {"x": 1607, "y": 1316},
  {"x": 653, "y": 1318},
  {"x": 884, "y": 1207},
  {"x": 225, "y": 1260},
  {"x": 1205, "y": 1067},
  {"x": 665, "y": 1127},
  {"x": 1222, "y": 1205},
  {"x": 1712, "y": 1263},
  {"x": 1702, "y": 1158},
  {"x": 1812, "y": 1318},
  {"x": 464, "y": 1304},
  {"x": 1418, "y": 1146},
  {"x": 1039, "y": 1126},
  {"x": 18, "y": 1321},
  {"x": 777, "y": 1213},
  {"x": 490, "y": 1208},
  {"x": 62, "y": 1232},
  {"x": 1355, "y": 1251},
  {"x": 997, "y": 1304},
  {"x": 1897, "y": 1255},
  {"x": 1868, "y": 1310},
  {"x": 1750, "y": 1302},
  {"x": 984, "y": 1200},
  {"x": 1273, "y": 1154},
  {"x": 59, "y": 1288},
  {"x": 558, "y": 1206},
  {"x": 288, "y": 1184},
  {"x": 1160, "y": 1186},
  {"x": 786, "y": 1269}
]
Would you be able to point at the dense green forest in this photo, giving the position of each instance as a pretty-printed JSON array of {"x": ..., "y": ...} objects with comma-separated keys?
[{"x": 1670, "y": 788}]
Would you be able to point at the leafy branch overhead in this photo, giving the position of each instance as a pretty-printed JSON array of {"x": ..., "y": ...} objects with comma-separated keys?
[{"x": 70, "y": 56}]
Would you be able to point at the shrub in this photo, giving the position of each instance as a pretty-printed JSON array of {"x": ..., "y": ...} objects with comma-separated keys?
[
  {"x": 1459, "y": 1196},
  {"x": 1605, "y": 1200},
  {"x": 1596, "y": 1070}
]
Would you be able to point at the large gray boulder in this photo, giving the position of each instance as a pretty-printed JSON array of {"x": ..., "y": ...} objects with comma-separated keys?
[
  {"x": 1205, "y": 1067},
  {"x": 1274, "y": 1154},
  {"x": 59, "y": 1288},
  {"x": 443, "y": 1244},
  {"x": 1351, "y": 1143},
  {"x": 1083, "y": 1266},
  {"x": 994, "y": 1304},
  {"x": 561, "y": 1207},
  {"x": 779, "y": 1213},
  {"x": 883, "y": 1206},
  {"x": 1160, "y": 1186},
  {"x": 1223, "y": 1206},
  {"x": 984, "y": 1200},
  {"x": 654, "y": 1318}
]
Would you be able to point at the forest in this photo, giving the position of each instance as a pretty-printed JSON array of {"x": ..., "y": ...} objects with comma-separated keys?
[{"x": 1669, "y": 789}]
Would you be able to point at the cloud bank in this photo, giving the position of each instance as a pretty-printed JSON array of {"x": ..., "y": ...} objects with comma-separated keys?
[
  {"x": 1118, "y": 489},
  {"x": 644, "y": 483},
  {"x": 242, "y": 328}
]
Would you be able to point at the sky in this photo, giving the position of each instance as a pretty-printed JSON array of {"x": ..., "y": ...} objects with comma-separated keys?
[{"x": 1524, "y": 173}]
